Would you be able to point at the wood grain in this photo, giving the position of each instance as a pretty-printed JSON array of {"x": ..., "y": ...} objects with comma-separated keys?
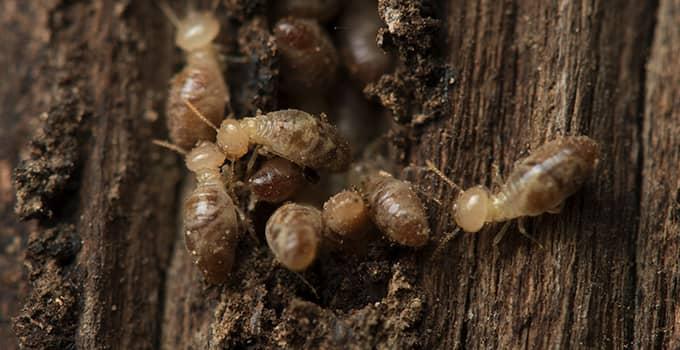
[{"x": 657, "y": 312}]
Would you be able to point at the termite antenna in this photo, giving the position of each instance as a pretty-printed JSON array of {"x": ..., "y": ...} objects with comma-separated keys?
[
  {"x": 426, "y": 194},
  {"x": 169, "y": 13},
  {"x": 170, "y": 146},
  {"x": 434, "y": 169},
  {"x": 200, "y": 115}
]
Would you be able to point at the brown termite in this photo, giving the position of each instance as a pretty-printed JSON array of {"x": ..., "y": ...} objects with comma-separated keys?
[
  {"x": 346, "y": 217},
  {"x": 538, "y": 184},
  {"x": 396, "y": 209},
  {"x": 308, "y": 58},
  {"x": 321, "y": 10},
  {"x": 291, "y": 134},
  {"x": 201, "y": 80},
  {"x": 356, "y": 118},
  {"x": 211, "y": 220},
  {"x": 276, "y": 180},
  {"x": 359, "y": 26},
  {"x": 293, "y": 234}
]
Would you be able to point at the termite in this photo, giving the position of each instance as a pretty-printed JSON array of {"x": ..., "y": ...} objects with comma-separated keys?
[
  {"x": 291, "y": 134},
  {"x": 346, "y": 217},
  {"x": 308, "y": 58},
  {"x": 276, "y": 180},
  {"x": 359, "y": 25},
  {"x": 321, "y": 10},
  {"x": 356, "y": 118},
  {"x": 201, "y": 80},
  {"x": 538, "y": 184},
  {"x": 396, "y": 209},
  {"x": 293, "y": 234},
  {"x": 211, "y": 221}
]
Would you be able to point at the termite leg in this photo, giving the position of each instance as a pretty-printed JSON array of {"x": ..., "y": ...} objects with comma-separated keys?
[
  {"x": 523, "y": 230},
  {"x": 248, "y": 225},
  {"x": 309, "y": 285},
  {"x": 557, "y": 209},
  {"x": 251, "y": 161},
  {"x": 444, "y": 242},
  {"x": 501, "y": 233}
]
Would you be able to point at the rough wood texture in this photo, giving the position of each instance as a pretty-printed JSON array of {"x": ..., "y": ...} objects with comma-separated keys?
[
  {"x": 657, "y": 313},
  {"x": 480, "y": 84}
]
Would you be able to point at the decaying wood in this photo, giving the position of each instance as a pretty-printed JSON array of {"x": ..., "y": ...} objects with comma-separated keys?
[{"x": 479, "y": 85}]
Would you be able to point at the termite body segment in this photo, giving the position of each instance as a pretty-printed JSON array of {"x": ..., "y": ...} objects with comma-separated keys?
[
  {"x": 365, "y": 61},
  {"x": 276, "y": 180},
  {"x": 539, "y": 183},
  {"x": 200, "y": 82},
  {"x": 346, "y": 216},
  {"x": 396, "y": 209},
  {"x": 293, "y": 234},
  {"x": 299, "y": 137},
  {"x": 308, "y": 58},
  {"x": 211, "y": 222}
]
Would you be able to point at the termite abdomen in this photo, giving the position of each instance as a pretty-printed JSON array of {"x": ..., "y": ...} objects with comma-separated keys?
[
  {"x": 346, "y": 217},
  {"x": 211, "y": 231},
  {"x": 365, "y": 61},
  {"x": 301, "y": 138},
  {"x": 293, "y": 233},
  {"x": 200, "y": 83},
  {"x": 550, "y": 174},
  {"x": 308, "y": 58},
  {"x": 396, "y": 209},
  {"x": 276, "y": 180}
]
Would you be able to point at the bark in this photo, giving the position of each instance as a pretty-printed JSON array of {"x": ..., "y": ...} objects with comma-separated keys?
[{"x": 479, "y": 85}]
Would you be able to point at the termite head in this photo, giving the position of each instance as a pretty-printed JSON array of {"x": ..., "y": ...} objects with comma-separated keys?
[
  {"x": 471, "y": 209},
  {"x": 232, "y": 139},
  {"x": 196, "y": 31},
  {"x": 205, "y": 156}
]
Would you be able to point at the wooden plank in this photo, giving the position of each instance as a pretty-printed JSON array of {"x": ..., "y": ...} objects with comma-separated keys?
[
  {"x": 657, "y": 316},
  {"x": 529, "y": 71}
]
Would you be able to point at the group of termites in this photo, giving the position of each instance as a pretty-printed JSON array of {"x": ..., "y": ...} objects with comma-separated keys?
[{"x": 292, "y": 142}]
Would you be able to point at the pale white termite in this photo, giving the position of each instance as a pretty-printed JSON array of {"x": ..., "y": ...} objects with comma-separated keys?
[
  {"x": 293, "y": 234},
  {"x": 211, "y": 220},
  {"x": 291, "y": 134},
  {"x": 538, "y": 184},
  {"x": 200, "y": 82}
]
